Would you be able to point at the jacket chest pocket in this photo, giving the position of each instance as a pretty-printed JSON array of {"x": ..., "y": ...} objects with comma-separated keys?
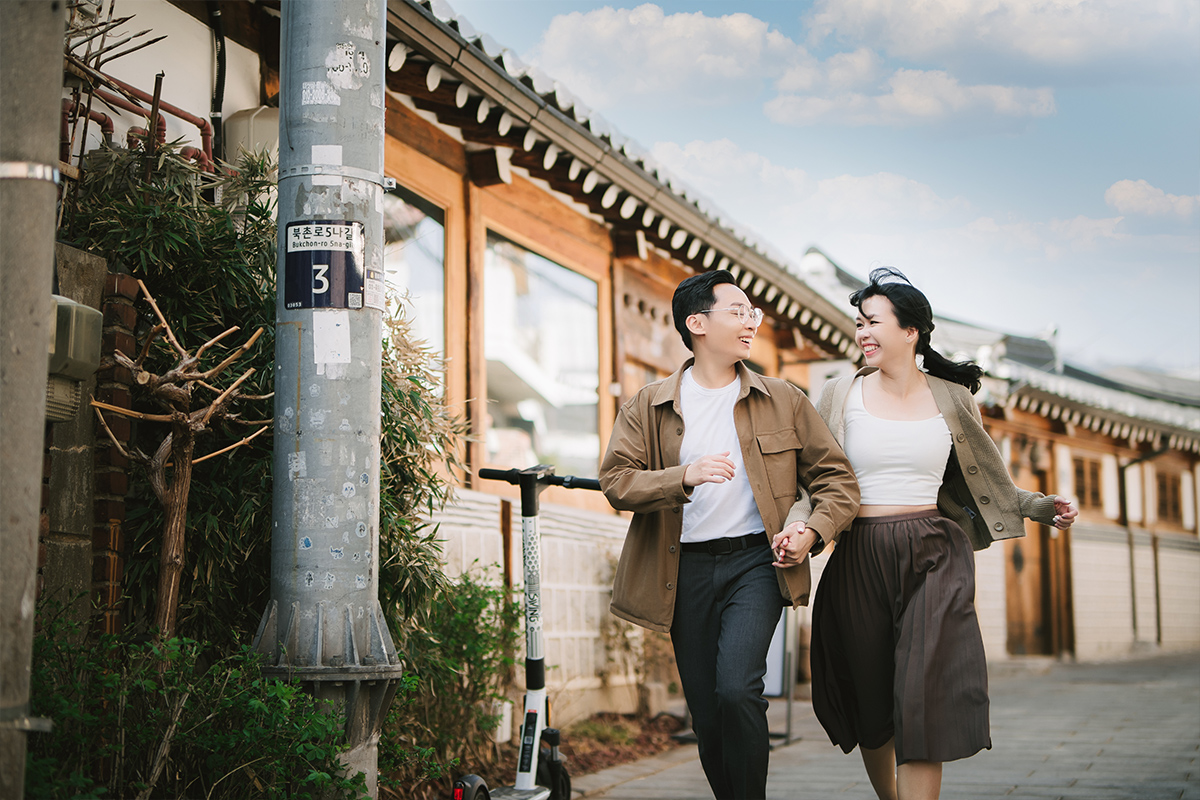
[{"x": 780, "y": 450}]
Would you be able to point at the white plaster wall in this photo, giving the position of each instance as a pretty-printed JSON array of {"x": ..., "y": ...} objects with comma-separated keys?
[
  {"x": 1110, "y": 476},
  {"x": 1143, "y": 567},
  {"x": 1134, "y": 504},
  {"x": 1179, "y": 576},
  {"x": 188, "y": 59},
  {"x": 1100, "y": 597},
  {"x": 991, "y": 602}
]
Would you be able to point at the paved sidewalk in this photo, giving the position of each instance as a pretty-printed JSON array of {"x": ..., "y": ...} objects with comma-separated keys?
[{"x": 1127, "y": 730}]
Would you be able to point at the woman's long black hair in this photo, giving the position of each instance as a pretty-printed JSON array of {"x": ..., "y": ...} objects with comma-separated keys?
[{"x": 913, "y": 311}]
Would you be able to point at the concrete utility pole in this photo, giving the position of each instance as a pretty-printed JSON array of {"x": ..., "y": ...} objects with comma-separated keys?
[
  {"x": 31, "y": 46},
  {"x": 324, "y": 624}
]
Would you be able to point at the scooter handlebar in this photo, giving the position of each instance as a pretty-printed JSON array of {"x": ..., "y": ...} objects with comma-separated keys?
[{"x": 567, "y": 481}]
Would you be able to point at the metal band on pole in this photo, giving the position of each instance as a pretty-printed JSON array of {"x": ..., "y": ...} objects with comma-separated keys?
[
  {"x": 336, "y": 170},
  {"x": 29, "y": 171}
]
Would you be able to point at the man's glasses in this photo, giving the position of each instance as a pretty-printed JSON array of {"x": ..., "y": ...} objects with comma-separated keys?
[{"x": 744, "y": 313}]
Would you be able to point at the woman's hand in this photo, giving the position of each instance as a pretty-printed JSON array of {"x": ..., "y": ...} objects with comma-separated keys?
[
  {"x": 792, "y": 544},
  {"x": 1065, "y": 513}
]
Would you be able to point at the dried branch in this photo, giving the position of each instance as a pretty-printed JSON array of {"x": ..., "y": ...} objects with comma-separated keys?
[
  {"x": 245, "y": 440},
  {"x": 216, "y": 339},
  {"x": 154, "y": 334},
  {"x": 135, "y": 414},
  {"x": 221, "y": 399},
  {"x": 163, "y": 320},
  {"x": 108, "y": 430},
  {"x": 164, "y": 747},
  {"x": 234, "y": 356}
]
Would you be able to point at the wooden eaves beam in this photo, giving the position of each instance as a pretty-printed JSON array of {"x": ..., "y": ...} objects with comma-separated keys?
[{"x": 419, "y": 29}]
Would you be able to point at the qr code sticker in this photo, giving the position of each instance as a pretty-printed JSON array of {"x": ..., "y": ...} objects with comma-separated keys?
[{"x": 354, "y": 299}]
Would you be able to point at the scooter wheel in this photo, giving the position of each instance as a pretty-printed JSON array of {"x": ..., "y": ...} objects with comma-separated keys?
[
  {"x": 553, "y": 775},
  {"x": 470, "y": 787}
]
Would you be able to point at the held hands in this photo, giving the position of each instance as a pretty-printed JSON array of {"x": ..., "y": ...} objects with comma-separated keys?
[
  {"x": 792, "y": 544},
  {"x": 709, "y": 469},
  {"x": 1064, "y": 513}
]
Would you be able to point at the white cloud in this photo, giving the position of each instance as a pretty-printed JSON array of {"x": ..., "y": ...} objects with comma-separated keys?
[
  {"x": 913, "y": 96},
  {"x": 609, "y": 54},
  {"x": 611, "y": 57},
  {"x": 1114, "y": 35},
  {"x": 1139, "y": 197}
]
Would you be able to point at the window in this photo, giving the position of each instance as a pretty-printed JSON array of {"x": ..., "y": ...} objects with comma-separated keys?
[
  {"x": 1087, "y": 483},
  {"x": 1169, "y": 506},
  {"x": 541, "y": 342},
  {"x": 414, "y": 262}
]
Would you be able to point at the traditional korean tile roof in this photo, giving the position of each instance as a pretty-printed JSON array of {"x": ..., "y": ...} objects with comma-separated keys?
[
  {"x": 1126, "y": 404},
  {"x": 475, "y": 84}
]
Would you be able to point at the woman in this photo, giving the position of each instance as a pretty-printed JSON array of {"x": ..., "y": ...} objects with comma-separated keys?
[{"x": 897, "y": 657}]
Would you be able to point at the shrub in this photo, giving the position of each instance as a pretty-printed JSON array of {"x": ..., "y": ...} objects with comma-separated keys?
[
  {"x": 462, "y": 663},
  {"x": 174, "y": 719}
]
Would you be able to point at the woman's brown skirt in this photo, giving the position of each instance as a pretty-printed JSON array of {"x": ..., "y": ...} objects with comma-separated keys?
[{"x": 896, "y": 648}]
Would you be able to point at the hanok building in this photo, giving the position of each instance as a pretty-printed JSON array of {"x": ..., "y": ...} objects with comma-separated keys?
[
  {"x": 1125, "y": 446},
  {"x": 539, "y": 249}
]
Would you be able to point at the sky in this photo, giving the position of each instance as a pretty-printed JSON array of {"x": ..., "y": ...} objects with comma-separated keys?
[{"x": 1031, "y": 165}]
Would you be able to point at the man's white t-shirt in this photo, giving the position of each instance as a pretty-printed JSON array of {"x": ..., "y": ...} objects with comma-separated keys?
[{"x": 717, "y": 510}]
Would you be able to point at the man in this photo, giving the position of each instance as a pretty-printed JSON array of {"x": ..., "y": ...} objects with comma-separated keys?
[{"x": 711, "y": 461}]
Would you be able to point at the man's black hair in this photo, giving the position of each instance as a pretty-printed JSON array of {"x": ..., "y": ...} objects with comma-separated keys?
[{"x": 693, "y": 295}]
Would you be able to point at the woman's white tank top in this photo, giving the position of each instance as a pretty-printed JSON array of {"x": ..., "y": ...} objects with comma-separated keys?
[{"x": 898, "y": 462}]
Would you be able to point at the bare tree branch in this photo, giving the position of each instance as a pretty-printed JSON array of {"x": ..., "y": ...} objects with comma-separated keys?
[
  {"x": 216, "y": 339},
  {"x": 108, "y": 430},
  {"x": 234, "y": 356},
  {"x": 163, "y": 320},
  {"x": 220, "y": 401},
  {"x": 135, "y": 414},
  {"x": 246, "y": 440}
]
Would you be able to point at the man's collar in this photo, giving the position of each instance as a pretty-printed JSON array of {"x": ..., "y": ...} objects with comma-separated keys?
[{"x": 668, "y": 390}]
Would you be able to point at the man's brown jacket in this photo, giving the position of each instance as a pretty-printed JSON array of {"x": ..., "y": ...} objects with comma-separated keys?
[{"x": 786, "y": 448}]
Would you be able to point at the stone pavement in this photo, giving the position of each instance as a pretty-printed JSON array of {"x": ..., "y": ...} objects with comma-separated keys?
[{"x": 1126, "y": 730}]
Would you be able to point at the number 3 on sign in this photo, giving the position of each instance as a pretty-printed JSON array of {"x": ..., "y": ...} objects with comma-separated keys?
[{"x": 320, "y": 281}]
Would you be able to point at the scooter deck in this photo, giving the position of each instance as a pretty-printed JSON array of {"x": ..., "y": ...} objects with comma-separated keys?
[{"x": 510, "y": 793}]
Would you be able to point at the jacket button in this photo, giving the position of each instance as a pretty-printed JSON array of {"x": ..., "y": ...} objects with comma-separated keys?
[
  {"x": 985, "y": 500},
  {"x": 999, "y": 526},
  {"x": 972, "y": 469},
  {"x": 962, "y": 437},
  {"x": 670, "y": 586},
  {"x": 679, "y": 431},
  {"x": 671, "y": 548},
  {"x": 675, "y": 509}
]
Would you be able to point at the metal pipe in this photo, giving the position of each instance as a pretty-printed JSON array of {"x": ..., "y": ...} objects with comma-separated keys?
[
  {"x": 324, "y": 625},
  {"x": 132, "y": 107},
  {"x": 64, "y": 130},
  {"x": 199, "y": 122},
  {"x": 31, "y": 42}
]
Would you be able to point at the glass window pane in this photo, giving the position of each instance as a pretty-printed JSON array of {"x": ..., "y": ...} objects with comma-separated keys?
[
  {"x": 541, "y": 341},
  {"x": 414, "y": 250}
]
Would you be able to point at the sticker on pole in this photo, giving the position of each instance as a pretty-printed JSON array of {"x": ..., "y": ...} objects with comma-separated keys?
[{"x": 324, "y": 265}]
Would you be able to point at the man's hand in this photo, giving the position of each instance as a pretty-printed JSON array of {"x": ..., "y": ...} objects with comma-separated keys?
[
  {"x": 792, "y": 544},
  {"x": 709, "y": 469}
]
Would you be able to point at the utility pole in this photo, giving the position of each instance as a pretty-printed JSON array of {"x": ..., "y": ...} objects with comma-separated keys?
[
  {"x": 324, "y": 625},
  {"x": 31, "y": 46}
]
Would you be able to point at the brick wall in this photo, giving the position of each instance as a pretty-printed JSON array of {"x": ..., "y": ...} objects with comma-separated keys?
[{"x": 112, "y": 469}]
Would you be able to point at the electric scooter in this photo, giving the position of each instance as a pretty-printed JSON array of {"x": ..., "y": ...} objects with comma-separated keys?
[{"x": 540, "y": 776}]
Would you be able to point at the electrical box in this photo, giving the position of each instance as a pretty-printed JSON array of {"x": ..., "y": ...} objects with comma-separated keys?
[{"x": 74, "y": 356}]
